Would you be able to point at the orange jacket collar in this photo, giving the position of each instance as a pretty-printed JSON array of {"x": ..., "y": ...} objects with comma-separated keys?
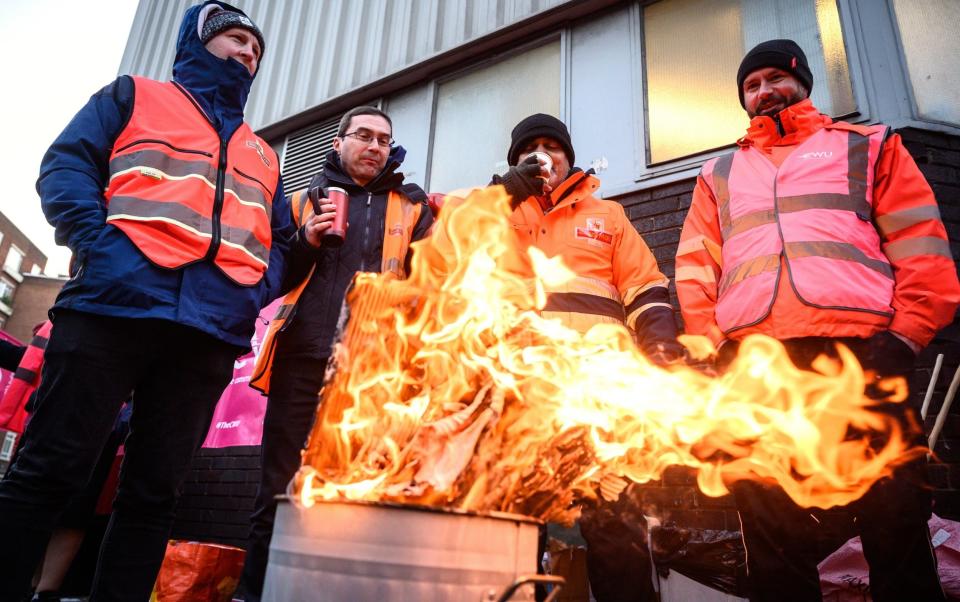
[
  {"x": 798, "y": 121},
  {"x": 577, "y": 187}
]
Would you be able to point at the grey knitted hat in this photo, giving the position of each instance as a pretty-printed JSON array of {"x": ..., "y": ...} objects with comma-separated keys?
[{"x": 219, "y": 19}]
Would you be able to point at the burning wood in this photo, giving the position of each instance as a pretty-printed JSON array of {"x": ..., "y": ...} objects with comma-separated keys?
[{"x": 449, "y": 389}]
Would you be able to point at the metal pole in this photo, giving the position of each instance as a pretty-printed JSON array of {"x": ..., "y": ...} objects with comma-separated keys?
[
  {"x": 942, "y": 416},
  {"x": 933, "y": 383}
]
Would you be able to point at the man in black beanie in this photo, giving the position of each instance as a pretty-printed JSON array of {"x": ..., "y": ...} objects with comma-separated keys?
[
  {"x": 779, "y": 55},
  {"x": 817, "y": 233},
  {"x": 555, "y": 210},
  {"x": 617, "y": 281}
]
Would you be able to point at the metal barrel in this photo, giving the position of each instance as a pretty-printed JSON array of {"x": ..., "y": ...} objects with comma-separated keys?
[{"x": 352, "y": 551}]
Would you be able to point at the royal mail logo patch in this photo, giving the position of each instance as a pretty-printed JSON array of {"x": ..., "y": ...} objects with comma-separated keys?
[
  {"x": 594, "y": 231},
  {"x": 255, "y": 145},
  {"x": 396, "y": 230}
]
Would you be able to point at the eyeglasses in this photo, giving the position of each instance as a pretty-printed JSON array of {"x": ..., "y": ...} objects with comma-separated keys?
[{"x": 366, "y": 138}]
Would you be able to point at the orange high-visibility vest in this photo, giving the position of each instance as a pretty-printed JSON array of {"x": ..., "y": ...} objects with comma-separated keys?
[
  {"x": 813, "y": 215},
  {"x": 13, "y": 415},
  {"x": 616, "y": 277},
  {"x": 182, "y": 195},
  {"x": 402, "y": 216}
]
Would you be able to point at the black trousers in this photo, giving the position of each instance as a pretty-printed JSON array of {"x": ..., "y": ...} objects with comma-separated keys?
[
  {"x": 781, "y": 538},
  {"x": 294, "y": 385},
  {"x": 618, "y": 557},
  {"x": 92, "y": 364}
]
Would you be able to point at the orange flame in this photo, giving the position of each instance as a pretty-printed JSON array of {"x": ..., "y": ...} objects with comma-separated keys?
[{"x": 448, "y": 388}]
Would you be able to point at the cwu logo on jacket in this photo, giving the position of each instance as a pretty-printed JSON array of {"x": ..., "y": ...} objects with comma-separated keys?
[
  {"x": 817, "y": 155},
  {"x": 255, "y": 145}
]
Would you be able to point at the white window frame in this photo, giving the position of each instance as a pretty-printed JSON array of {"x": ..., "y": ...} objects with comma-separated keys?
[
  {"x": 650, "y": 175},
  {"x": 563, "y": 35},
  {"x": 16, "y": 274},
  {"x": 922, "y": 122},
  {"x": 13, "y": 290}
]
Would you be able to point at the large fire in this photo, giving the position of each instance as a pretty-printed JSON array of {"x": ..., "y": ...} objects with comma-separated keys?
[{"x": 449, "y": 389}]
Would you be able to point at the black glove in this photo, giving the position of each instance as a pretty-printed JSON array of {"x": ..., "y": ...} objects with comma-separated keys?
[
  {"x": 888, "y": 355},
  {"x": 726, "y": 354},
  {"x": 667, "y": 353},
  {"x": 523, "y": 180}
]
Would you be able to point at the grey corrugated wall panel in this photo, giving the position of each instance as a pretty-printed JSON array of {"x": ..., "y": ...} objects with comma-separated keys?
[{"x": 321, "y": 49}]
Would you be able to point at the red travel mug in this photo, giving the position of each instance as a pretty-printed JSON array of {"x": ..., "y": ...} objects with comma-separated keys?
[{"x": 335, "y": 236}]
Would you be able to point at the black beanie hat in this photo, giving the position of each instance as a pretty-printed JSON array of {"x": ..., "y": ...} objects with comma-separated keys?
[
  {"x": 535, "y": 126},
  {"x": 216, "y": 19},
  {"x": 782, "y": 54}
]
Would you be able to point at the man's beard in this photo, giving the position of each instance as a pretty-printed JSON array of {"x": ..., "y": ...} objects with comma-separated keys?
[{"x": 776, "y": 103}]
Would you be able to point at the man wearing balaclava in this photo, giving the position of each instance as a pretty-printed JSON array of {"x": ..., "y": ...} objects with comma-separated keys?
[
  {"x": 176, "y": 217},
  {"x": 819, "y": 232}
]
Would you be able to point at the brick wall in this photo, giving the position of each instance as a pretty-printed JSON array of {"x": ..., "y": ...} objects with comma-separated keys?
[
  {"x": 12, "y": 236},
  {"x": 218, "y": 495},
  {"x": 938, "y": 156},
  {"x": 35, "y": 295}
]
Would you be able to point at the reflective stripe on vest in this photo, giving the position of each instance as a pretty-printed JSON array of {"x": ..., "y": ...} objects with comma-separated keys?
[
  {"x": 401, "y": 218},
  {"x": 25, "y": 380},
  {"x": 175, "y": 194},
  {"x": 582, "y": 302},
  {"x": 814, "y": 214}
]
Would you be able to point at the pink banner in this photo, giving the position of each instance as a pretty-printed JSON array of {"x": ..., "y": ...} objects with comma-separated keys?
[{"x": 238, "y": 419}]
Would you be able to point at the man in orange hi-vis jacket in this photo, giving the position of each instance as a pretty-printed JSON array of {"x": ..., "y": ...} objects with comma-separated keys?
[
  {"x": 617, "y": 280},
  {"x": 815, "y": 231}
]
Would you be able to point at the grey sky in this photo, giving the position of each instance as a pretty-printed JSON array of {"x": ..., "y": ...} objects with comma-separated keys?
[{"x": 57, "y": 53}]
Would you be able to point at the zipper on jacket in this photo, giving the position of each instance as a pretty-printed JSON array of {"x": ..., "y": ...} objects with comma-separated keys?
[
  {"x": 249, "y": 177},
  {"x": 218, "y": 202},
  {"x": 366, "y": 236},
  {"x": 780, "y": 130},
  {"x": 164, "y": 143},
  {"x": 782, "y": 259},
  {"x": 293, "y": 312}
]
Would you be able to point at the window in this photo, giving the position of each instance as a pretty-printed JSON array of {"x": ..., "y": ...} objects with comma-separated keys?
[
  {"x": 6, "y": 292},
  {"x": 692, "y": 49},
  {"x": 476, "y": 111},
  {"x": 14, "y": 260},
  {"x": 928, "y": 30}
]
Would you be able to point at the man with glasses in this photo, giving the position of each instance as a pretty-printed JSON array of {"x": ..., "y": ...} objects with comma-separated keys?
[{"x": 385, "y": 216}]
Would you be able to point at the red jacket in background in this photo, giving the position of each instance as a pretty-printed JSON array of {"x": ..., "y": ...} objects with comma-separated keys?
[{"x": 13, "y": 414}]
